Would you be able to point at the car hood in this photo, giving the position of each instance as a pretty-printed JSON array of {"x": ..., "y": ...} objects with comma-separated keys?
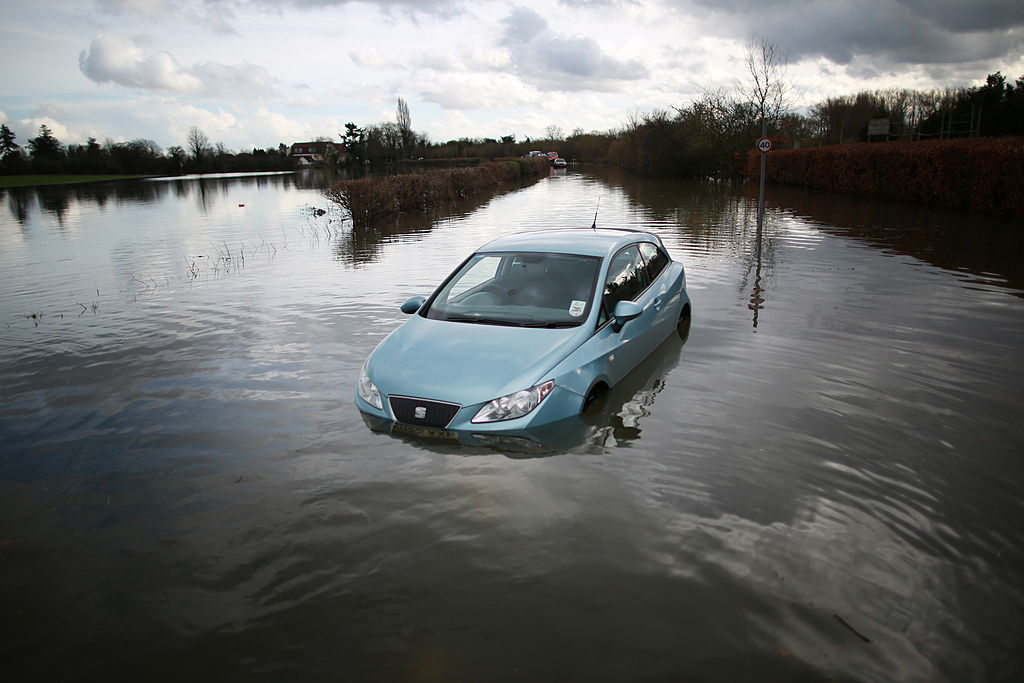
[{"x": 467, "y": 363}]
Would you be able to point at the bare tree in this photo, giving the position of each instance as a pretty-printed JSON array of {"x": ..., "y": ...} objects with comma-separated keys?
[
  {"x": 767, "y": 90},
  {"x": 197, "y": 143}
]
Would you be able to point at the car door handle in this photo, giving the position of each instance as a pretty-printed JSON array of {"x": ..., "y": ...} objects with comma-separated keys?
[{"x": 657, "y": 303}]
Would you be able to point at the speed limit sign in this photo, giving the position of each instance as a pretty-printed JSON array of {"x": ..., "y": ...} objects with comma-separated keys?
[{"x": 764, "y": 144}]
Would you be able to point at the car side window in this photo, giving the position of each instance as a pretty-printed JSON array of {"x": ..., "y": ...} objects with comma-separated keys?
[
  {"x": 655, "y": 260},
  {"x": 625, "y": 280}
]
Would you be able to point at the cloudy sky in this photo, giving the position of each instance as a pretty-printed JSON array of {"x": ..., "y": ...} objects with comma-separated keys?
[{"x": 254, "y": 73}]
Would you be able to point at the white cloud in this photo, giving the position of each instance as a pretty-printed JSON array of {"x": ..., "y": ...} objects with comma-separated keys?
[
  {"x": 216, "y": 15},
  {"x": 220, "y": 15},
  {"x": 304, "y": 101},
  {"x": 409, "y": 8},
  {"x": 530, "y": 123},
  {"x": 472, "y": 58},
  {"x": 477, "y": 91},
  {"x": 115, "y": 59},
  {"x": 269, "y": 125},
  {"x": 150, "y": 9},
  {"x": 238, "y": 78},
  {"x": 556, "y": 62},
  {"x": 371, "y": 57},
  {"x": 167, "y": 120},
  {"x": 455, "y": 125},
  {"x": 58, "y": 129},
  {"x": 493, "y": 59}
]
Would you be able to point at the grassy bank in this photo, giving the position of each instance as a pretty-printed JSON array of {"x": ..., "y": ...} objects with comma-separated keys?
[
  {"x": 975, "y": 174},
  {"x": 387, "y": 197},
  {"x": 40, "y": 179}
]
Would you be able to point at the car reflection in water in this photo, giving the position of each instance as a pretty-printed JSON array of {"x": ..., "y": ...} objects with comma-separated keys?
[{"x": 613, "y": 419}]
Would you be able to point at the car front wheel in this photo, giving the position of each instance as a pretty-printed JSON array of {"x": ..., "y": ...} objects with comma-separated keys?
[
  {"x": 594, "y": 402},
  {"x": 683, "y": 326}
]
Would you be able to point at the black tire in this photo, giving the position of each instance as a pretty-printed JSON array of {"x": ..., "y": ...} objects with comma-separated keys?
[
  {"x": 683, "y": 326},
  {"x": 594, "y": 402}
]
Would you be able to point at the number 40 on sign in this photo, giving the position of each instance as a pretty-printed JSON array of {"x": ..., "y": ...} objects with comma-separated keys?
[{"x": 764, "y": 144}]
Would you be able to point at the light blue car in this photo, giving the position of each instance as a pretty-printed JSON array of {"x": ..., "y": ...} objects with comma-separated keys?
[{"x": 529, "y": 330}]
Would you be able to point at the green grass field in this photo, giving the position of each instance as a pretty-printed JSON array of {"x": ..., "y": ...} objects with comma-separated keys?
[{"x": 29, "y": 180}]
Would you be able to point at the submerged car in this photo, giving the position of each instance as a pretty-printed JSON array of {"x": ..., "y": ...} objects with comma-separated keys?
[{"x": 529, "y": 330}]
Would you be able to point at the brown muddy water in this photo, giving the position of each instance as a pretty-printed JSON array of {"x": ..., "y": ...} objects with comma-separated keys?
[{"x": 823, "y": 482}]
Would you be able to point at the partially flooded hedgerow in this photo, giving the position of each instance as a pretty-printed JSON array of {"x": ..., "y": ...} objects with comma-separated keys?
[
  {"x": 387, "y": 197},
  {"x": 974, "y": 174}
]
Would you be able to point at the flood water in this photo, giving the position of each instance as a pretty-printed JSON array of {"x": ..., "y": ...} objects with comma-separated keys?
[{"x": 823, "y": 482}]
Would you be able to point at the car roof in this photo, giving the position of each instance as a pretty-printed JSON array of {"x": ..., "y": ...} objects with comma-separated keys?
[{"x": 585, "y": 241}]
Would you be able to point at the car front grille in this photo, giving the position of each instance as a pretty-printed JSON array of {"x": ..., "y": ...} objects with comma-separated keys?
[{"x": 420, "y": 411}]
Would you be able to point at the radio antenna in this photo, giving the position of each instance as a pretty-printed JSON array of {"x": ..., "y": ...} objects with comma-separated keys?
[{"x": 594, "y": 225}]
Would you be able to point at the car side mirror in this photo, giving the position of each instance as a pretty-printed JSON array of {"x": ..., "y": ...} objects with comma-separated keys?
[
  {"x": 624, "y": 312},
  {"x": 413, "y": 304}
]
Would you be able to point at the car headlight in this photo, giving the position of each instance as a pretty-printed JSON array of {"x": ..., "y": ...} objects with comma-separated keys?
[
  {"x": 368, "y": 392},
  {"x": 514, "y": 405}
]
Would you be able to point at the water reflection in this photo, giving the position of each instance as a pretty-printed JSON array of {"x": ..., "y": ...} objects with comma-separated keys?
[
  {"x": 719, "y": 216},
  {"x": 186, "y": 474},
  {"x": 56, "y": 200},
  {"x": 980, "y": 244},
  {"x": 18, "y": 203},
  {"x": 712, "y": 216},
  {"x": 709, "y": 218},
  {"x": 357, "y": 245},
  {"x": 617, "y": 421},
  {"x": 757, "y": 291},
  {"x": 710, "y": 213}
]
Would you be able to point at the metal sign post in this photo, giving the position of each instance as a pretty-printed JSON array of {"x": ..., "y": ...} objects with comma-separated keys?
[{"x": 765, "y": 145}]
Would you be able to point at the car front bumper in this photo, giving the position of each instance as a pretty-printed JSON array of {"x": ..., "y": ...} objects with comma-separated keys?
[{"x": 561, "y": 403}]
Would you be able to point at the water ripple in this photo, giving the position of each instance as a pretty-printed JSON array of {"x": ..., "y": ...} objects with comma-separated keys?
[{"x": 831, "y": 455}]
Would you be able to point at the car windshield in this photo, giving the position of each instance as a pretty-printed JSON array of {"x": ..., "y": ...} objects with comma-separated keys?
[{"x": 523, "y": 289}]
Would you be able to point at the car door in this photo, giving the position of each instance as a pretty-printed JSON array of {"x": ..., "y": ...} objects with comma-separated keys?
[
  {"x": 610, "y": 354},
  {"x": 627, "y": 281},
  {"x": 665, "y": 313}
]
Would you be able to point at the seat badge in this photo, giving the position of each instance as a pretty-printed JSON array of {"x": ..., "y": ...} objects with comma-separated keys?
[{"x": 420, "y": 413}]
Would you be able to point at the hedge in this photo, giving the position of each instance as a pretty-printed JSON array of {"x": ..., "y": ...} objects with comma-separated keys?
[
  {"x": 975, "y": 174},
  {"x": 387, "y": 197}
]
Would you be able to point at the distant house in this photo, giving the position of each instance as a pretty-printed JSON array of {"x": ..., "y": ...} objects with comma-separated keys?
[{"x": 309, "y": 153}]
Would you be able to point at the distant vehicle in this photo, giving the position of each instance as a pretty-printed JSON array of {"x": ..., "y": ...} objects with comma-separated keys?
[
  {"x": 552, "y": 155},
  {"x": 535, "y": 153},
  {"x": 558, "y": 162},
  {"x": 529, "y": 330}
]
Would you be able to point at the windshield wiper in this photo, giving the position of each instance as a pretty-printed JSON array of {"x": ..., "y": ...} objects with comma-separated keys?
[
  {"x": 508, "y": 323},
  {"x": 481, "y": 321},
  {"x": 552, "y": 325}
]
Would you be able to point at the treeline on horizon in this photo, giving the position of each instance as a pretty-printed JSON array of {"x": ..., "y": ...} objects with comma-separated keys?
[
  {"x": 711, "y": 137},
  {"x": 46, "y": 154}
]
